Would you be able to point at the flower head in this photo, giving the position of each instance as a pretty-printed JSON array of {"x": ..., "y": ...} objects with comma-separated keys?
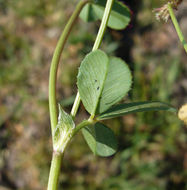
[{"x": 162, "y": 13}]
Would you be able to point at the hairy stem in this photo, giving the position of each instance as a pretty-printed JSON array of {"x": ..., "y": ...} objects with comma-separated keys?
[
  {"x": 55, "y": 62},
  {"x": 177, "y": 27},
  {"x": 97, "y": 44}
]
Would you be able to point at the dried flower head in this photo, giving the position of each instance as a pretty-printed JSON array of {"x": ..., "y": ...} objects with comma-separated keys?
[{"x": 162, "y": 13}]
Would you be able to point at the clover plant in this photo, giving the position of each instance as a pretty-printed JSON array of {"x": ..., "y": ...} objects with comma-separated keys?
[{"x": 102, "y": 81}]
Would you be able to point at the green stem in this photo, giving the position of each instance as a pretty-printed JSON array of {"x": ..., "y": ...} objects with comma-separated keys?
[
  {"x": 177, "y": 27},
  {"x": 55, "y": 62},
  {"x": 97, "y": 44},
  {"x": 81, "y": 125},
  {"x": 56, "y": 159},
  {"x": 54, "y": 171}
]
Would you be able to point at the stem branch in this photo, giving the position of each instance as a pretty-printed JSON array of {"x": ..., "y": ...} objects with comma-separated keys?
[
  {"x": 177, "y": 27},
  {"x": 81, "y": 125},
  {"x": 55, "y": 62}
]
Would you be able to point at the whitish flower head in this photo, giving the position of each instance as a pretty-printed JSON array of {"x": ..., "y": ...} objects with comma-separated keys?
[{"x": 162, "y": 13}]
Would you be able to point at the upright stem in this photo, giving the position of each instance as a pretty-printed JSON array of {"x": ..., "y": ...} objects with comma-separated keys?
[
  {"x": 177, "y": 27},
  {"x": 54, "y": 171},
  {"x": 55, "y": 62},
  {"x": 97, "y": 44},
  {"x": 56, "y": 159}
]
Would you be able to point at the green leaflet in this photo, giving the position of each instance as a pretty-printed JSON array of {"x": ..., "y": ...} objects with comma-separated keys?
[
  {"x": 91, "y": 78},
  {"x": 123, "y": 109},
  {"x": 88, "y": 14},
  {"x": 119, "y": 17},
  {"x": 117, "y": 84},
  {"x": 100, "y": 139},
  {"x": 63, "y": 131}
]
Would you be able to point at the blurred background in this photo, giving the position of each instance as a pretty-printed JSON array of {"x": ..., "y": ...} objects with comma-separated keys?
[{"x": 152, "y": 145}]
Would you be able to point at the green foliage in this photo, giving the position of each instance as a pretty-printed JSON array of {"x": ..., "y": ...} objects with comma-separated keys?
[
  {"x": 117, "y": 84},
  {"x": 123, "y": 109},
  {"x": 102, "y": 84},
  {"x": 119, "y": 17},
  {"x": 91, "y": 78},
  {"x": 88, "y": 13},
  {"x": 100, "y": 139}
]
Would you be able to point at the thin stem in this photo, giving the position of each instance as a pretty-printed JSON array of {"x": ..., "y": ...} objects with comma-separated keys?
[
  {"x": 54, "y": 171},
  {"x": 177, "y": 27},
  {"x": 55, "y": 62},
  {"x": 76, "y": 105},
  {"x": 83, "y": 124},
  {"x": 103, "y": 26},
  {"x": 97, "y": 44},
  {"x": 56, "y": 159}
]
